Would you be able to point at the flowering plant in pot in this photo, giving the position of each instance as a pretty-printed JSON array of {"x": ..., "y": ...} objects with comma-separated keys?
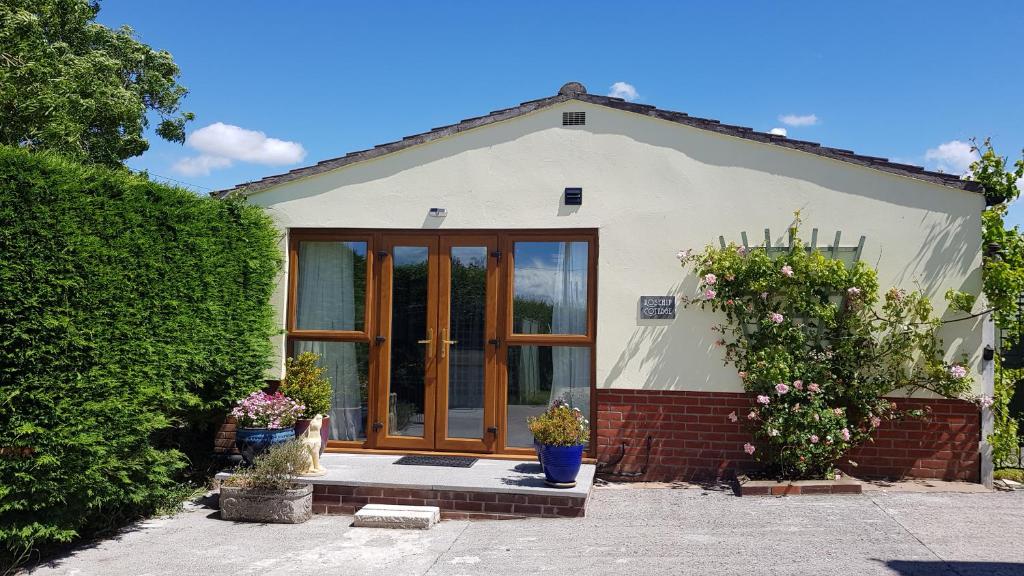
[
  {"x": 562, "y": 433},
  {"x": 264, "y": 420},
  {"x": 305, "y": 383},
  {"x": 267, "y": 491}
]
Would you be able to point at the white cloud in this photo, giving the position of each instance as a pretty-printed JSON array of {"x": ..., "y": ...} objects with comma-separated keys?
[
  {"x": 623, "y": 90},
  {"x": 953, "y": 157},
  {"x": 222, "y": 144},
  {"x": 200, "y": 165},
  {"x": 795, "y": 120},
  {"x": 778, "y": 131}
]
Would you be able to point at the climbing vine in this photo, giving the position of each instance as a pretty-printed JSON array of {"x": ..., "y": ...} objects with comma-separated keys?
[{"x": 818, "y": 349}]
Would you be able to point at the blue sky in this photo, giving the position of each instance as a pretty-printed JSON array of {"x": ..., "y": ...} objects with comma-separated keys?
[{"x": 319, "y": 79}]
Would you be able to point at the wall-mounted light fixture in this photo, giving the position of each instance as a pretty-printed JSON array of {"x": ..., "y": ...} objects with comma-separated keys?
[
  {"x": 574, "y": 196},
  {"x": 438, "y": 212}
]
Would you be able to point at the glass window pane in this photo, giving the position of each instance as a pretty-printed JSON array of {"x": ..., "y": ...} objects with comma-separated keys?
[
  {"x": 408, "y": 326},
  {"x": 347, "y": 366},
  {"x": 331, "y": 287},
  {"x": 538, "y": 375},
  {"x": 550, "y": 288},
  {"x": 466, "y": 358}
]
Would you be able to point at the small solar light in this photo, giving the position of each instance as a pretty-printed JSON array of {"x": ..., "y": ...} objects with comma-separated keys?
[{"x": 438, "y": 212}]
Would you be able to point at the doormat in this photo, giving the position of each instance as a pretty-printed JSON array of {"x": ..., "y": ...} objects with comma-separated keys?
[{"x": 447, "y": 461}]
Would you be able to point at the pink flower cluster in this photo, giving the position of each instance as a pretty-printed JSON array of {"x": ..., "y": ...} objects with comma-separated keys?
[
  {"x": 262, "y": 410},
  {"x": 957, "y": 371},
  {"x": 787, "y": 271},
  {"x": 776, "y": 317}
]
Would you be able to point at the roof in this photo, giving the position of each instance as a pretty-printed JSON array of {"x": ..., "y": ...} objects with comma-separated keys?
[{"x": 576, "y": 91}]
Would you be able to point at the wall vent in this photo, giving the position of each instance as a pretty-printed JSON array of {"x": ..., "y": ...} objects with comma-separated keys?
[{"x": 574, "y": 118}]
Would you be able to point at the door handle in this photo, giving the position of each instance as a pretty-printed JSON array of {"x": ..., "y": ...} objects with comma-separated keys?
[
  {"x": 445, "y": 342},
  {"x": 429, "y": 342}
]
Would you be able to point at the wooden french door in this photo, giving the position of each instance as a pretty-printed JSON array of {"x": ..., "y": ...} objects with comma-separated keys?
[{"x": 437, "y": 380}]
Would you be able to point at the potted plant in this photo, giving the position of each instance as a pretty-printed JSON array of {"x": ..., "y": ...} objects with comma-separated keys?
[
  {"x": 562, "y": 433},
  {"x": 264, "y": 420},
  {"x": 266, "y": 491},
  {"x": 305, "y": 383}
]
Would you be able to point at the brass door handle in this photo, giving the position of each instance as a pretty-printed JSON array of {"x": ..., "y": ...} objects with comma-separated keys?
[
  {"x": 429, "y": 342},
  {"x": 445, "y": 342}
]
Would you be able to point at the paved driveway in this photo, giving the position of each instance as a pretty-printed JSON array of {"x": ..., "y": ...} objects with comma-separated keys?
[{"x": 627, "y": 531}]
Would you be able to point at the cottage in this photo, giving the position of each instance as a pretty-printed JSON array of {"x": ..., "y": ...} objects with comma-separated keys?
[{"x": 458, "y": 280}]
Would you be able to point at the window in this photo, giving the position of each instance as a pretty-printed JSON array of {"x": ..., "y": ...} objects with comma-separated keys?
[
  {"x": 550, "y": 288},
  {"x": 331, "y": 279}
]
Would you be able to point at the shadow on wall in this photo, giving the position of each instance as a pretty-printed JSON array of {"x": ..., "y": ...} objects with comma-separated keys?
[
  {"x": 671, "y": 354},
  {"x": 951, "y": 568}
]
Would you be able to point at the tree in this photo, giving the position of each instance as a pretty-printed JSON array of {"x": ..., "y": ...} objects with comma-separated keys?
[
  {"x": 74, "y": 86},
  {"x": 1003, "y": 282}
]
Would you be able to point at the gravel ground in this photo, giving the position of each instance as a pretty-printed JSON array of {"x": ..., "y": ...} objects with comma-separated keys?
[{"x": 627, "y": 531}]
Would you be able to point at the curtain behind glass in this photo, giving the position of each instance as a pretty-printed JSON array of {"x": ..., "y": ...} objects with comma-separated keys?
[
  {"x": 343, "y": 368},
  {"x": 569, "y": 316},
  {"x": 326, "y": 298}
]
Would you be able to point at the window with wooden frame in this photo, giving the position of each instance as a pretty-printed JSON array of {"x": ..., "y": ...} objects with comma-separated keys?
[
  {"x": 549, "y": 327},
  {"x": 330, "y": 312}
]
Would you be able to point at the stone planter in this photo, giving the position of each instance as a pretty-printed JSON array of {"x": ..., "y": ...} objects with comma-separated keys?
[{"x": 293, "y": 506}]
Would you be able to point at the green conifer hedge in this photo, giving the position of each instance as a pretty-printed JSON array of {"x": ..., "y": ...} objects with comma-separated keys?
[{"x": 132, "y": 314}]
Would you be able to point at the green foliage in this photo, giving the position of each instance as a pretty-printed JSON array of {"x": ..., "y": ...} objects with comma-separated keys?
[
  {"x": 132, "y": 316},
  {"x": 560, "y": 425},
  {"x": 1004, "y": 440},
  {"x": 304, "y": 382},
  {"x": 1015, "y": 474},
  {"x": 274, "y": 469},
  {"x": 1003, "y": 277},
  {"x": 813, "y": 342},
  {"x": 76, "y": 87}
]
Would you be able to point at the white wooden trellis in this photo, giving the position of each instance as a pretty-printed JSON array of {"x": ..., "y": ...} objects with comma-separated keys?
[{"x": 835, "y": 250}]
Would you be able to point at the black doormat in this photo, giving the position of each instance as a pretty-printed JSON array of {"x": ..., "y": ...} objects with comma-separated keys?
[{"x": 448, "y": 461}]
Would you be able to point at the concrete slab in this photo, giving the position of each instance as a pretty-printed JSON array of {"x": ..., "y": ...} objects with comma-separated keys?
[
  {"x": 626, "y": 531},
  {"x": 495, "y": 476},
  {"x": 397, "y": 516}
]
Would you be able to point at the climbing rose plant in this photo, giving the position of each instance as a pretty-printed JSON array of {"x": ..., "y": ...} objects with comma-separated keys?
[{"x": 818, "y": 350}]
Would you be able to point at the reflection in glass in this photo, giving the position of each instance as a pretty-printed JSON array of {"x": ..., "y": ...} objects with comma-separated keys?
[
  {"x": 538, "y": 375},
  {"x": 347, "y": 368},
  {"x": 550, "y": 288},
  {"x": 408, "y": 326},
  {"x": 466, "y": 358},
  {"x": 331, "y": 286}
]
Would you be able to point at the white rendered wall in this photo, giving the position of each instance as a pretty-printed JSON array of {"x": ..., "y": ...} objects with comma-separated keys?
[{"x": 653, "y": 187}]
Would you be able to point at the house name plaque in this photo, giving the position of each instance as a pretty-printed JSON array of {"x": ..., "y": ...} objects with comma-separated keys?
[{"x": 657, "y": 307}]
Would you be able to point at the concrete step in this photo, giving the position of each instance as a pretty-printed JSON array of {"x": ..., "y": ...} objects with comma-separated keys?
[{"x": 397, "y": 516}]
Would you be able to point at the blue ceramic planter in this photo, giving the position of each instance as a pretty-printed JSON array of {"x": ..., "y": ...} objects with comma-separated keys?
[
  {"x": 562, "y": 464},
  {"x": 251, "y": 442},
  {"x": 538, "y": 448}
]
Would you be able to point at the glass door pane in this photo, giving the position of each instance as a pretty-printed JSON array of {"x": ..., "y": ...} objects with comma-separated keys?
[
  {"x": 409, "y": 310},
  {"x": 465, "y": 357}
]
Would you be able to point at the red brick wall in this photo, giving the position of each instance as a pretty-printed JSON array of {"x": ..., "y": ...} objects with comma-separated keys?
[{"x": 692, "y": 438}]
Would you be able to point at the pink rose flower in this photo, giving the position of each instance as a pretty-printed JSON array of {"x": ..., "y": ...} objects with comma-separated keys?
[
  {"x": 787, "y": 271},
  {"x": 733, "y": 417},
  {"x": 798, "y": 384},
  {"x": 957, "y": 371},
  {"x": 684, "y": 254},
  {"x": 752, "y": 415},
  {"x": 781, "y": 388},
  {"x": 709, "y": 294},
  {"x": 985, "y": 401},
  {"x": 773, "y": 432},
  {"x": 749, "y": 448},
  {"x": 837, "y": 411},
  {"x": 710, "y": 279},
  {"x": 762, "y": 399},
  {"x": 814, "y": 439},
  {"x": 876, "y": 421},
  {"x": 776, "y": 317},
  {"x": 845, "y": 433},
  {"x": 743, "y": 375},
  {"x": 853, "y": 291},
  {"x": 812, "y": 387}
]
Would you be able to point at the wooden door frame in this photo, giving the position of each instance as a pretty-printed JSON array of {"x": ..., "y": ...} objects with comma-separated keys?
[
  {"x": 373, "y": 323},
  {"x": 382, "y": 438},
  {"x": 487, "y": 441}
]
